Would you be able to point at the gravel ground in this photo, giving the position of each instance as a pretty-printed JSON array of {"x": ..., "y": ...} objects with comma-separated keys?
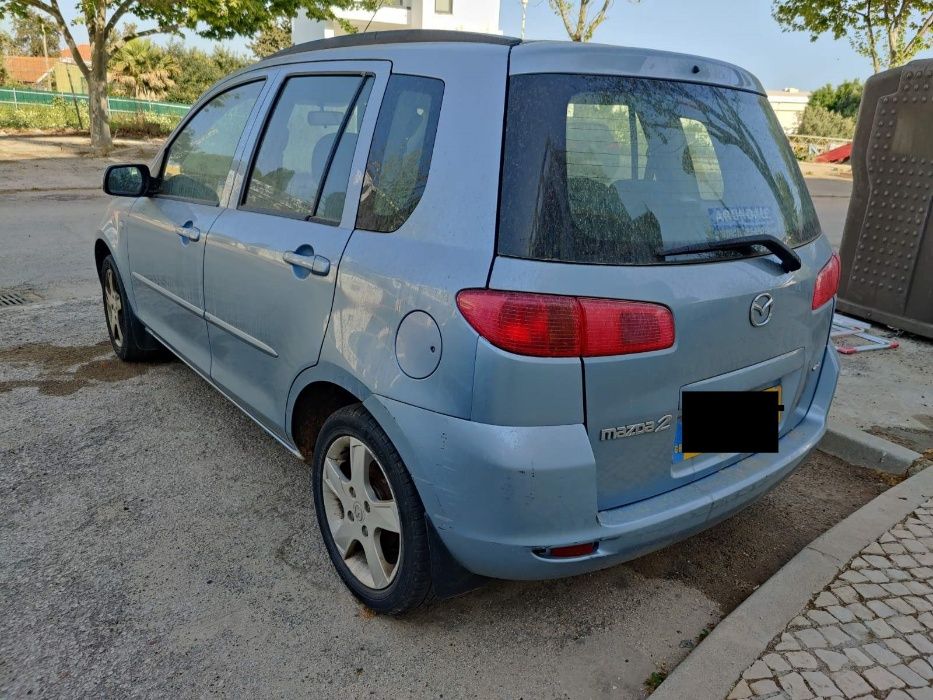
[{"x": 155, "y": 541}]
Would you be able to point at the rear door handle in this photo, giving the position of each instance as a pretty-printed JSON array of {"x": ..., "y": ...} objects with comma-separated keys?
[
  {"x": 189, "y": 231},
  {"x": 317, "y": 264}
]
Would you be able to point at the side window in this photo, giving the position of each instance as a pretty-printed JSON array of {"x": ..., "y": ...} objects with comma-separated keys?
[
  {"x": 199, "y": 159},
  {"x": 702, "y": 160},
  {"x": 400, "y": 155},
  {"x": 297, "y": 143}
]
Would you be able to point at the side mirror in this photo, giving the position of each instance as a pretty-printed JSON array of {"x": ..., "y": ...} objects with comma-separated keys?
[{"x": 127, "y": 180}]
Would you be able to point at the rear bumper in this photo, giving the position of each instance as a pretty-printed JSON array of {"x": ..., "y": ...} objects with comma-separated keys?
[{"x": 497, "y": 494}]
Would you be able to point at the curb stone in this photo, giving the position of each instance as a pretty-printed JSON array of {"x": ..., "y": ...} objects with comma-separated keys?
[
  {"x": 862, "y": 449},
  {"x": 714, "y": 667}
]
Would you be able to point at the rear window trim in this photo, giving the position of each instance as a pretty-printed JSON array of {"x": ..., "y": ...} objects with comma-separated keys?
[{"x": 701, "y": 260}]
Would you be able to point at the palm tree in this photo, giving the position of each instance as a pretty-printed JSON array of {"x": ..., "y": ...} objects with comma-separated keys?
[{"x": 144, "y": 70}]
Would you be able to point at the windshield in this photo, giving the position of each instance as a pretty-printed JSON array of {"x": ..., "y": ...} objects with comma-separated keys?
[{"x": 612, "y": 170}]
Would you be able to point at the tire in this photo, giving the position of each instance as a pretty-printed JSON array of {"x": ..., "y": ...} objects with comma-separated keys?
[
  {"x": 354, "y": 498},
  {"x": 129, "y": 339}
]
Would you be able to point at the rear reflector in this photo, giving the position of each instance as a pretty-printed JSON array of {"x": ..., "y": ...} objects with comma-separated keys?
[
  {"x": 827, "y": 282},
  {"x": 548, "y": 325},
  {"x": 574, "y": 550}
]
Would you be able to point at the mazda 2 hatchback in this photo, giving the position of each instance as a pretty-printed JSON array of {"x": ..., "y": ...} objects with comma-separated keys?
[{"x": 515, "y": 302}]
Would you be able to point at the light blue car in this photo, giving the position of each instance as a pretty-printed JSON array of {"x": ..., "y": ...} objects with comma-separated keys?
[{"x": 471, "y": 279}]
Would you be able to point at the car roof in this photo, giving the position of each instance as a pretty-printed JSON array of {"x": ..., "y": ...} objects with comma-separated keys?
[{"x": 530, "y": 56}]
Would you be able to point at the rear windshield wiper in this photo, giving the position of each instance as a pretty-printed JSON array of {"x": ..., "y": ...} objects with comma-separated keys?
[{"x": 790, "y": 261}]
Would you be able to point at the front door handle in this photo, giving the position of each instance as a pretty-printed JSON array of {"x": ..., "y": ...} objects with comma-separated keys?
[
  {"x": 188, "y": 230},
  {"x": 317, "y": 264}
]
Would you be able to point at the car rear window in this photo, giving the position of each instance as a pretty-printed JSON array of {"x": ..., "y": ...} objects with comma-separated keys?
[{"x": 612, "y": 170}]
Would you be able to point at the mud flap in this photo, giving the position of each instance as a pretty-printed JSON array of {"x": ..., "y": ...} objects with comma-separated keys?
[{"x": 449, "y": 576}]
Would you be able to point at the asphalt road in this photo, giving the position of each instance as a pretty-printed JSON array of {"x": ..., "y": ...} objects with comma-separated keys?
[{"x": 154, "y": 541}]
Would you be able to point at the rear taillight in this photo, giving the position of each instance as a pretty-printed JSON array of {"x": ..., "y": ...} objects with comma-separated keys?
[
  {"x": 827, "y": 282},
  {"x": 548, "y": 325}
]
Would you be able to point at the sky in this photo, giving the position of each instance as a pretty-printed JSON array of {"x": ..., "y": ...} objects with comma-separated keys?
[{"x": 739, "y": 31}]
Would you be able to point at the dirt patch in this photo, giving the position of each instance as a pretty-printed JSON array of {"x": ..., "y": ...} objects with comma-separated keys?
[
  {"x": 731, "y": 560},
  {"x": 916, "y": 439},
  {"x": 65, "y": 369}
]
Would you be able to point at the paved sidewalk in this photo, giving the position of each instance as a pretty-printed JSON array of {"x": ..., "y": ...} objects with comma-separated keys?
[{"x": 869, "y": 634}]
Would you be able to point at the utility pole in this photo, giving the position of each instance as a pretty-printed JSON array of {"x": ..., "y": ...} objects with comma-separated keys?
[{"x": 524, "y": 12}]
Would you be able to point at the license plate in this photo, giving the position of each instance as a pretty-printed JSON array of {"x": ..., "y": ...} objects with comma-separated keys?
[{"x": 681, "y": 456}]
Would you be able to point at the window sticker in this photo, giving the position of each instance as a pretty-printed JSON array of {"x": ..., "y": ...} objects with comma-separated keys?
[{"x": 743, "y": 220}]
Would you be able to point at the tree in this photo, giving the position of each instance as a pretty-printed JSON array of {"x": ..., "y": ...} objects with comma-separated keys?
[
  {"x": 843, "y": 99},
  {"x": 577, "y": 21},
  {"x": 275, "y": 36},
  {"x": 33, "y": 35},
  {"x": 819, "y": 121},
  {"x": 5, "y": 42},
  {"x": 144, "y": 70},
  {"x": 889, "y": 32},
  {"x": 209, "y": 18},
  {"x": 201, "y": 70}
]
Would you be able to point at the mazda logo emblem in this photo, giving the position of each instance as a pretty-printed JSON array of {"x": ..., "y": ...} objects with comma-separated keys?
[{"x": 760, "y": 313}]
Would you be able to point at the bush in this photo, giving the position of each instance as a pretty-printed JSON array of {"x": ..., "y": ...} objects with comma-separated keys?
[
  {"x": 819, "y": 121},
  {"x": 843, "y": 99},
  {"x": 61, "y": 115}
]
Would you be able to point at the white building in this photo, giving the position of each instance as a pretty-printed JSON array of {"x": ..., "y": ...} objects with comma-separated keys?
[
  {"x": 464, "y": 15},
  {"x": 788, "y": 104}
]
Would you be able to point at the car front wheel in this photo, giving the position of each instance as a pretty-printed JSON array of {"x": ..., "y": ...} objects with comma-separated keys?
[{"x": 130, "y": 340}]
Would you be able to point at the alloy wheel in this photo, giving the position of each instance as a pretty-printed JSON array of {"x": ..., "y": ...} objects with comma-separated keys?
[
  {"x": 114, "y": 306},
  {"x": 361, "y": 512}
]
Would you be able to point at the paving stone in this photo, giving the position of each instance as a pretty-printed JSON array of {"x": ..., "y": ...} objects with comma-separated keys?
[
  {"x": 926, "y": 619},
  {"x": 917, "y": 603},
  {"x": 820, "y": 683},
  {"x": 795, "y": 687},
  {"x": 840, "y": 613},
  {"x": 881, "y": 609},
  {"x": 914, "y": 547},
  {"x": 858, "y": 657},
  {"x": 860, "y": 611},
  {"x": 810, "y": 638},
  {"x": 911, "y": 678},
  {"x": 854, "y": 576},
  {"x": 902, "y": 534},
  {"x": 881, "y": 654},
  {"x": 898, "y": 695},
  {"x": 900, "y": 647},
  {"x": 882, "y": 679},
  {"x": 873, "y": 590},
  {"x": 846, "y": 594},
  {"x": 880, "y": 628},
  {"x": 920, "y": 530},
  {"x": 887, "y": 537},
  {"x": 897, "y": 574},
  {"x": 851, "y": 684},
  {"x": 801, "y": 660},
  {"x": 896, "y": 589},
  {"x": 821, "y": 617},
  {"x": 787, "y": 643},
  {"x": 901, "y": 605},
  {"x": 757, "y": 670},
  {"x": 892, "y": 548},
  {"x": 800, "y": 621},
  {"x": 857, "y": 630},
  {"x": 904, "y": 623},
  {"x": 833, "y": 659},
  {"x": 904, "y": 561},
  {"x": 875, "y": 575},
  {"x": 764, "y": 687},
  {"x": 835, "y": 636},
  {"x": 921, "y": 643},
  {"x": 877, "y": 561},
  {"x": 873, "y": 548},
  {"x": 924, "y": 572},
  {"x": 858, "y": 563},
  {"x": 777, "y": 663},
  {"x": 825, "y": 599},
  {"x": 921, "y": 693},
  {"x": 924, "y": 559},
  {"x": 918, "y": 587},
  {"x": 921, "y": 668}
]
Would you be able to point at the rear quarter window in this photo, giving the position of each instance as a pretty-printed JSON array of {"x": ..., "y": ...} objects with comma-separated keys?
[{"x": 400, "y": 156}]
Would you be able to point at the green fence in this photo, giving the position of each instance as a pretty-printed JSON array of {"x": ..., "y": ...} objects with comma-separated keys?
[{"x": 42, "y": 98}]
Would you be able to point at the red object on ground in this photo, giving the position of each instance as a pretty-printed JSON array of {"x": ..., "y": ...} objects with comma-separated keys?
[{"x": 836, "y": 155}]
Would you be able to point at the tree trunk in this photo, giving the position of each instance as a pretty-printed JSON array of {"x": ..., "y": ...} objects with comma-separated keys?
[{"x": 101, "y": 140}]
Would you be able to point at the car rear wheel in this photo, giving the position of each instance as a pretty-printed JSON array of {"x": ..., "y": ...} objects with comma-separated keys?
[
  {"x": 130, "y": 340},
  {"x": 369, "y": 514}
]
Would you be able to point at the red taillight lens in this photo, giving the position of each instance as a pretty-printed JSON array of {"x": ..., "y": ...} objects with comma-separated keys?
[
  {"x": 574, "y": 550},
  {"x": 548, "y": 325},
  {"x": 827, "y": 282}
]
